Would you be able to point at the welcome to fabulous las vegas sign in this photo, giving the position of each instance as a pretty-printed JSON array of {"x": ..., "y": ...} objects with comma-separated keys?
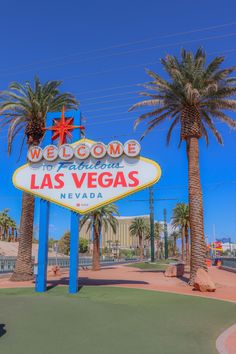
[{"x": 86, "y": 175}]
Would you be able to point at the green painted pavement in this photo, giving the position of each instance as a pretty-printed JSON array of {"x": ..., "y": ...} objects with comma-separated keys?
[{"x": 109, "y": 320}]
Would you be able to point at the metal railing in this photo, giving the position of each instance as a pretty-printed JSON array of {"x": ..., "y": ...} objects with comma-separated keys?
[
  {"x": 7, "y": 263},
  {"x": 229, "y": 262}
]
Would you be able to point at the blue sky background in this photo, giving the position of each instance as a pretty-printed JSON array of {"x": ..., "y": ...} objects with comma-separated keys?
[{"x": 100, "y": 49}]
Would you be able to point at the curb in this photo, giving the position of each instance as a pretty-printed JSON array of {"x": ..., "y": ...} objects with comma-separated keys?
[{"x": 222, "y": 339}]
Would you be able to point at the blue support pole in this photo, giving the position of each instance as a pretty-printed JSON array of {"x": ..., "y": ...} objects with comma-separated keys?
[
  {"x": 74, "y": 253},
  {"x": 41, "y": 280}
]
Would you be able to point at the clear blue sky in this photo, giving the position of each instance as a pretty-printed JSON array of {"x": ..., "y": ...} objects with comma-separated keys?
[{"x": 100, "y": 49}]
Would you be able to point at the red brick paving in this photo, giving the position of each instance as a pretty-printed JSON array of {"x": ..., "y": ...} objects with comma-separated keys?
[{"x": 131, "y": 277}]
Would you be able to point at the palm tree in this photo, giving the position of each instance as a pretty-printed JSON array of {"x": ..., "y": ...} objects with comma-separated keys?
[
  {"x": 24, "y": 108},
  {"x": 139, "y": 228},
  {"x": 158, "y": 229},
  {"x": 3, "y": 223},
  {"x": 180, "y": 220},
  {"x": 193, "y": 95},
  {"x": 96, "y": 220},
  {"x": 12, "y": 227},
  {"x": 7, "y": 226},
  {"x": 174, "y": 236}
]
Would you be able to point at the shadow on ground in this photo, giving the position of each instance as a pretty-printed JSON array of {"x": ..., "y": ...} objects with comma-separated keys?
[
  {"x": 87, "y": 281},
  {"x": 184, "y": 279},
  {"x": 2, "y": 329}
]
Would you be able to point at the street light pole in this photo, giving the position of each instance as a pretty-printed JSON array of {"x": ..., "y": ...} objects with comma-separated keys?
[
  {"x": 165, "y": 235},
  {"x": 151, "y": 204}
]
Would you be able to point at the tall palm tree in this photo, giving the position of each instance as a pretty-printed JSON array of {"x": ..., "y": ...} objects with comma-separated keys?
[
  {"x": 96, "y": 220},
  {"x": 180, "y": 220},
  {"x": 194, "y": 94},
  {"x": 139, "y": 228},
  {"x": 24, "y": 108}
]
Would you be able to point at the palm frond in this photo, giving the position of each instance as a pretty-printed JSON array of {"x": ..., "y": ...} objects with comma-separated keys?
[
  {"x": 204, "y": 133},
  {"x": 149, "y": 115},
  {"x": 223, "y": 117},
  {"x": 153, "y": 123},
  {"x": 213, "y": 66},
  {"x": 146, "y": 103},
  {"x": 173, "y": 124},
  {"x": 212, "y": 127}
]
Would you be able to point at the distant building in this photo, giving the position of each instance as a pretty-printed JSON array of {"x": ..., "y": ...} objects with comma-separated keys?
[
  {"x": 122, "y": 235},
  {"x": 229, "y": 246},
  {"x": 224, "y": 240}
]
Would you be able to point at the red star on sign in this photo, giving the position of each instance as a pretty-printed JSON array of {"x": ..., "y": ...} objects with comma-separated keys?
[{"x": 62, "y": 128}]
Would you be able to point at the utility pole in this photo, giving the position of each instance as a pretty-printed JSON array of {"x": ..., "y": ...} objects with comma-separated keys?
[
  {"x": 152, "y": 222},
  {"x": 151, "y": 206},
  {"x": 165, "y": 235},
  {"x": 214, "y": 243}
]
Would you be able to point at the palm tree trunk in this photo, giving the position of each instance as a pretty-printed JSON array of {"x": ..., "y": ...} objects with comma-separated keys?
[
  {"x": 182, "y": 243},
  {"x": 141, "y": 247},
  {"x": 96, "y": 249},
  {"x": 23, "y": 270},
  {"x": 174, "y": 251},
  {"x": 8, "y": 235},
  {"x": 195, "y": 209},
  {"x": 157, "y": 248},
  {"x": 187, "y": 243}
]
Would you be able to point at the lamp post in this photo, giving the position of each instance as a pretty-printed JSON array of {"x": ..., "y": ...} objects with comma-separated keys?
[
  {"x": 151, "y": 206},
  {"x": 165, "y": 235}
]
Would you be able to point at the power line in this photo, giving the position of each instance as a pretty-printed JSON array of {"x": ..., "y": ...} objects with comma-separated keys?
[
  {"x": 148, "y": 48},
  {"x": 109, "y": 70},
  {"x": 137, "y": 83},
  {"x": 106, "y": 89},
  {"x": 126, "y": 53},
  {"x": 130, "y": 66},
  {"x": 132, "y": 85},
  {"x": 107, "y": 109},
  {"x": 110, "y": 101},
  {"x": 105, "y": 96},
  {"x": 122, "y": 45},
  {"x": 110, "y": 121},
  {"x": 128, "y": 92}
]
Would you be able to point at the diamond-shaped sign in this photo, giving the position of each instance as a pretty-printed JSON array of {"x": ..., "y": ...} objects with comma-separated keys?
[{"x": 84, "y": 185}]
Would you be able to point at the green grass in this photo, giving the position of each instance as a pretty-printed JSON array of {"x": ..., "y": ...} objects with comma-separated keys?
[
  {"x": 149, "y": 266},
  {"x": 160, "y": 265},
  {"x": 109, "y": 320}
]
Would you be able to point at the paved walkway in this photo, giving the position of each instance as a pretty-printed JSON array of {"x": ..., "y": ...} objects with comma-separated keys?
[{"x": 121, "y": 275}]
